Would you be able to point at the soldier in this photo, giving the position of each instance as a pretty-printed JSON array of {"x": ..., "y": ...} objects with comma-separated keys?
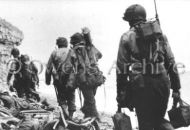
[
  {"x": 87, "y": 56},
  {"x": 15, "y": 70},
  {"x": 29, "y": 78},
  {"x": 56, "y": 67},
  {"x": 146, "y": 72}
]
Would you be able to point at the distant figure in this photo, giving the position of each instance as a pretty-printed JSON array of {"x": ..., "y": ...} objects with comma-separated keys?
[
  {"x": 146, "y": 71},
  {"x": 15, "y": 71},
  {"x": 25, "y": 76},
  {"x": 29, "y": 78},
  {"x": 59, "y": 66},
  {"x": 88, "y": 75}
]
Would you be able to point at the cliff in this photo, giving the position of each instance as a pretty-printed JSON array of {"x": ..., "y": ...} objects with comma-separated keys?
[{"x": 10, "y": 36}]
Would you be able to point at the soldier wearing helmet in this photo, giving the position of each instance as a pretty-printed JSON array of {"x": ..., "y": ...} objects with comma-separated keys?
[
  {"x": 135, "y": 14},
  {"x": 59, "y": 67},
  {"x": 146, "y": 90},
  {"x": 14, "y": 70},
  {"x": 87, "y": 56},
  {"x": 29, "y": 78},
  {"x": 77, "y": 39},
  {"x": 15, "y": 52}
]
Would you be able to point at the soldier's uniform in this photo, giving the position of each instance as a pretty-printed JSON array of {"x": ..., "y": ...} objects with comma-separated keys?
[
  {"x": 87, "y": 56},
  {"x": 15, "y": 71},
  {"x": 25, "y": 75},
  {"x": 29, "y": 78},
  {"x": 148, "y": 90},
  {"x": 55, "y": 67}
]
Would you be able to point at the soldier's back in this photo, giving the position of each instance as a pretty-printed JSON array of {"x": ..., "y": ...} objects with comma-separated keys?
[{"x": 59, "y": 56}]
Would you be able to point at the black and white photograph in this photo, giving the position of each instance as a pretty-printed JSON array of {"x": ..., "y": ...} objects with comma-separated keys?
[{"x": 94, "y": 65}]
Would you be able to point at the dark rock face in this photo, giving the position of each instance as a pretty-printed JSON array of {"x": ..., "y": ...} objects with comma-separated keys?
[{"x": 10, "y": 36}]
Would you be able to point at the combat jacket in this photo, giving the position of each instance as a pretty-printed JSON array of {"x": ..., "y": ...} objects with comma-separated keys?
[
  {"x": 94, "y": 54},
  {"x": 55, "y": 62},
  {"x": 128, "y": 53},
  {"x": 15, "y": 68}
]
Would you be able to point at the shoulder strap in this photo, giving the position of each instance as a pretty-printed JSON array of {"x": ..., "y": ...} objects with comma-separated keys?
[
  {"x": 63, "y": 62},
  {"x": 84, "y": 58},
  {"x": 158, "y": 52}
]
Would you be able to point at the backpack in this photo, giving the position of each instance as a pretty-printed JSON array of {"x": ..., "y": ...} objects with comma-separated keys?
[
  {"x": 88, "y": 75},
  {"x": 94, "y": 77},
  {"x": 29, "y": 73},
  {"x": 147, "y": 54},
  {"x": 149, "y": 40},
  {"x": 149, "y": 46}
]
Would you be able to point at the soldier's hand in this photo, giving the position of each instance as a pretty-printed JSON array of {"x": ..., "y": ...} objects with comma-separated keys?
[
  {"x": 85, "y": 30},
  {"x": 176, "y": 98},
  {"x": 176, "y": 94}
]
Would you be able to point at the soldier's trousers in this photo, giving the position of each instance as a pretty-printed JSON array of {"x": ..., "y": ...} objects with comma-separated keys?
[
  {"x": 89, "y": 107},
  {"x": 26, "y": 89},
  {"x": 151, "y": 103},
  {"x": 65, "y": 96},
  {"x": 18, "y": 85}
]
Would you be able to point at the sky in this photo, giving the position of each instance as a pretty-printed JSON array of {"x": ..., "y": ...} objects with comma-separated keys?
[{"x": 43, "y": 21}]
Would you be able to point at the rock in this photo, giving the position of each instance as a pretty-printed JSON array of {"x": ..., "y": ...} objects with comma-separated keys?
[
  {"x": 9, "y": 33},
  {"x": 10, "y": 36}
]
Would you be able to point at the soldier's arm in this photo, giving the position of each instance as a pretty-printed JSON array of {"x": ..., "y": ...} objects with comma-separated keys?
[
  {"x": 11, "y": 71},
  {"x": 97, "y": 53},
  {"x": 171, "y": 67},
  {"x": 9, "y": 77},
  {"x": 122, "y": 71},
  {"x": 35, "y": 73},
  {"x": 49, "y": 69},
  {"x": 35, "y": 69}
]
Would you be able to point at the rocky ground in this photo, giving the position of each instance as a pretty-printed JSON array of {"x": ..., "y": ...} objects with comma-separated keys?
[{"x": 106, "y": 120}]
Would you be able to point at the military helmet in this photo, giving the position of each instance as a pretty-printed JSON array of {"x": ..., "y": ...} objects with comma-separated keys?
[
  {"x": 135, "y": 12},
  {"x": 15, "y": 52},
  {"x": 61, "y": 41},
  {"x": 24, "y": 58},
  {"x": 76, "y": 38}
]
